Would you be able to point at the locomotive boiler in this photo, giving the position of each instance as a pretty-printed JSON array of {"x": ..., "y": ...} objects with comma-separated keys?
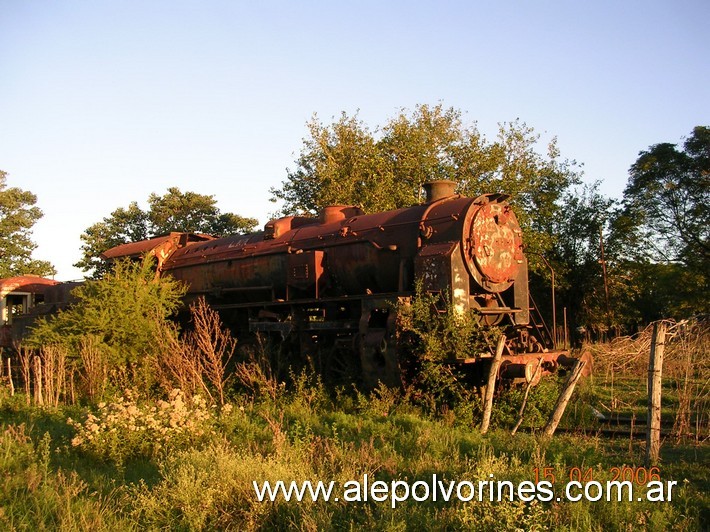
[{"x": 329, "y": 286}]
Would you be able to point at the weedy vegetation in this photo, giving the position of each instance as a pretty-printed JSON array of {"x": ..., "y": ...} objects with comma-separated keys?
[{"x": 180, "y": 447}]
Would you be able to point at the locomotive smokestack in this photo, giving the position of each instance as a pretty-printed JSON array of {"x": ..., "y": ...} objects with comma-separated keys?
[{"x": 435, "y": 190}]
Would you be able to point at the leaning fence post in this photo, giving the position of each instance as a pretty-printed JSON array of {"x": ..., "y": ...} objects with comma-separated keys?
[
  {"x": 564, "y": 398},
  {"x": 655, "y": 374},
  {"x": 490, "y": 387},
  {"x": 525, "y": 398}
]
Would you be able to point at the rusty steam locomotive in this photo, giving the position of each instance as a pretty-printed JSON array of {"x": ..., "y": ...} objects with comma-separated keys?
[{"x": 331, "y": 284}]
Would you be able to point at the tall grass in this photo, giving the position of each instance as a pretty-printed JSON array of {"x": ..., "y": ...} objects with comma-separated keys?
[
  {"x": 34, "y": 495},
  {"x": 621, "y": 368},
  {"x": 204, "y": 472},
  {"x": 183, "y": 454}
]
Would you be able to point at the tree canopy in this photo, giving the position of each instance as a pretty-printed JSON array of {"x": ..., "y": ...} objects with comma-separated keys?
[
  {"x": 576, "y": 255},
  {"x": 655, "y": 241},
  {"x": 18, "y": 214},
  {"x": 663, "y": 230},
  {"x": 657, "y": 235},
  {"x": 347, "y": 163},
  {"x": 668, "y": 199},
  {"x": 174, "y": 211}
]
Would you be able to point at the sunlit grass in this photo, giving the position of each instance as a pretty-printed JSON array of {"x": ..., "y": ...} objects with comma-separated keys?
[{"x": 311, "y": 434}]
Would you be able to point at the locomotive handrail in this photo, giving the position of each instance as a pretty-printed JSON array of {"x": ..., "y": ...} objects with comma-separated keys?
[
  {"x": 498, "y": 310},
  {"x": 234, "y": 289}
]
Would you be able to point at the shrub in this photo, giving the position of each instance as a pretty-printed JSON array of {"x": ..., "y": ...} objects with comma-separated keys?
[
  {"x": 432, "y": 333},
  {"x": 122, "y": 314},
  {"x": 539, "y": 406},
  {"x": 127, "y": 429},
  {"x": 197, "y": 361}
]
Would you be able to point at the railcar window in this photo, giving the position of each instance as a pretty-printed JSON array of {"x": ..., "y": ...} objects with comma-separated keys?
[{"x": 15, "y": 305}]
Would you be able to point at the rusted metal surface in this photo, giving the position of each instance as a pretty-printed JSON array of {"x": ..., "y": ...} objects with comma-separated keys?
[
  {"x": 469, "y": 249},
  {"x": 25, "y": 283},
  {"x": 18, "y": 295},
  {"x": 330, "y": 284},
  {"x": 439, "y": 189},
  {"x": 496, "y": 244},
  {"x": 364, "y": 253},
  {"x": 61, "y": 294},
  {"x": 305, "y": 274},
  {"x": 160, "y": 247}
]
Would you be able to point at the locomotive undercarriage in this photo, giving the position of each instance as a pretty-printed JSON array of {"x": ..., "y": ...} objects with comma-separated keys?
[
  {"x": 341, "y": 338},
  {"x": 355, "y": 339}
]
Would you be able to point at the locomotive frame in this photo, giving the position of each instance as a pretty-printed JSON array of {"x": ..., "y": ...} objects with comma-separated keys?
[{"x": 330, "y": 286}]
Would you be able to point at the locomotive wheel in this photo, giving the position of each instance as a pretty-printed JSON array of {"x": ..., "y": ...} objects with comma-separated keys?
[
  {"x": 343, "y": 363},
  {"x": 379, "y": 364}
]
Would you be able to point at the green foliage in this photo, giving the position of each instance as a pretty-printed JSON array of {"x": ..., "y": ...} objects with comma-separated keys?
[
  {"x": 33, "y": 496},
  {"x": 441, "y": 332},
  {"x": 122, "y": 226},
  {"x": 210, "y": 485},
  {"x": 124, "y": 313},
  {"x": 538, "y": 408},
  {"x": 663, "y": 290},
  {"x": 307, "y": 390},
  {"x": 18, "y": 214},
  {"x": 655, "y": 242},
  {"x": 192, "y": 213},
  {"x": 668, "y": 194},
  {"x": 431, "y": 334},
  {"x": 663, "y": 230},
  {"x": 346, "y": 163},
  {"x": 581, "y": 222},
  {"x": 382, "y": 401},
  {"x": 174, "y": 211},
  {"x": 339, "y": 164}
]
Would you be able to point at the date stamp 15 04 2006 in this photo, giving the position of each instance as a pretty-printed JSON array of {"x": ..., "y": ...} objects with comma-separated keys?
[{"x": 625, "y": 483}]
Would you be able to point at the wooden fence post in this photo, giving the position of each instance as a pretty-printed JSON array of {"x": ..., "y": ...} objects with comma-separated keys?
[
  {"x": 9, "y": 376},
  {"x": 525, "y": 398},
  {"x": 39, "y": 400},
  {"x": 564, "y": 398},
  {"x": 491, "y": 386},
  {"x": 25, "y": 367},
  {"x": 655, "y": 374}
]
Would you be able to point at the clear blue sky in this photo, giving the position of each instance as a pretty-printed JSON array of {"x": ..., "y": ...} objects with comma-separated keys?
[{"x": 104, "y": 102}]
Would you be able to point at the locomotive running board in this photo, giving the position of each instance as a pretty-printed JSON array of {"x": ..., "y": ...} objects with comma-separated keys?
[{"x": 312, "y": 301}]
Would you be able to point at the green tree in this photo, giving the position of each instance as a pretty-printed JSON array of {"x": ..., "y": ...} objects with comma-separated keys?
[
  {"x": 663, "y": 230},
  {"x": 339, "y": 164},
  {"x": 124, "y": 312},
  {"x": 192, "y": 213},
  {"x": 579, "y": 228},
  {"x": 346, "y": 163},
  {"x": 18, "y": 214},
  {"x": 668, "y": 197},
  {"x": 174, "y": 211}
]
